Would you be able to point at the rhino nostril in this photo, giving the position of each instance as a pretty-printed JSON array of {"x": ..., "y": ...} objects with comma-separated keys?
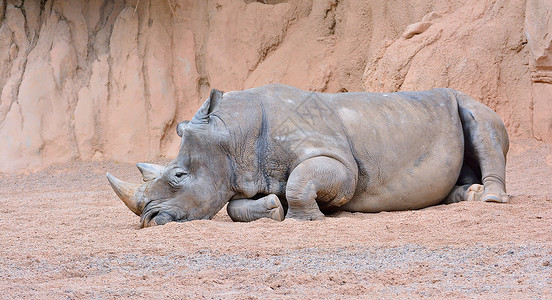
[
  {"x": 153, "y": 215},
  {"x": 147, "y": 219}
]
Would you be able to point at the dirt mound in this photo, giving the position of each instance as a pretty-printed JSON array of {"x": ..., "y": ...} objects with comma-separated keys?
[
  {"x": 64, "y": 233},
  {"x": 99, "y": 79}
]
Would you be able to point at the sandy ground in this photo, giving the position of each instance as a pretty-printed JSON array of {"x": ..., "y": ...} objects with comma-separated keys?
[{"x": 64, "y": 234}]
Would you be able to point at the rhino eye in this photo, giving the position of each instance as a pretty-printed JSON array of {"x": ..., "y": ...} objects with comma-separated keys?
[{"x": 177, "y": 177}]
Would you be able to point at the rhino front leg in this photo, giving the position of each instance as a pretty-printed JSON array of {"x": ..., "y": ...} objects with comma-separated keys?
[
  {"x": 318, "y": 182},
  {"x": 247, "y": 210}
]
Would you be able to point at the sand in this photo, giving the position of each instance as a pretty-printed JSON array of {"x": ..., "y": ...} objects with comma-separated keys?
[{"x": 64, "y": 234}]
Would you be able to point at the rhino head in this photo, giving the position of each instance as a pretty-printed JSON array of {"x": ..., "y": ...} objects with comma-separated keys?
[{"x": 193, "y": 186}]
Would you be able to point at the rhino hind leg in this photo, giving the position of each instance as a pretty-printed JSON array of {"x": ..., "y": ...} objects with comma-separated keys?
[
  {"x": 247, "y": 210},
  {"x": 319, "y": 182},
  {"x": 486, "y": 146}
]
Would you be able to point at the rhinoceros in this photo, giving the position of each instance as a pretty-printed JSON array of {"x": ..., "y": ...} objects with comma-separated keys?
[{"x": 280, "y": 152}]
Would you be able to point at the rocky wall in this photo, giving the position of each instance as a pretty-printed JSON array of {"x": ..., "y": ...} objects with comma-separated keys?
[
  {"x": 107, "y": 79},
  {"x": 538, "y": 30}
]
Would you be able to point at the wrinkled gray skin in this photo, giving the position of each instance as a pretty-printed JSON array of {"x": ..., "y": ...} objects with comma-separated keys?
[{"x": 276, "y": 151}]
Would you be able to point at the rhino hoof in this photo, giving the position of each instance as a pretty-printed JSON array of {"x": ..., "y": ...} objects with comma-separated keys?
[
  {"x": 475, "y": 191},
  {"x": 277, "y": 210},
  {"x": 496, "y": 198},
  {"x": 306, "y": 216}
]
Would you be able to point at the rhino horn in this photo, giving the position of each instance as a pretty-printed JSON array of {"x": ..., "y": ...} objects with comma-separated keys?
[
  {"x": 150, "y": 171},
  {"x": 126, "y": 191}
]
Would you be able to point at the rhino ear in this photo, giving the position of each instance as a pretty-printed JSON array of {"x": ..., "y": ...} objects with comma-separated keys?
[
  {"x": 202, "y": 114},
  {"x": 180, "y": 127}
]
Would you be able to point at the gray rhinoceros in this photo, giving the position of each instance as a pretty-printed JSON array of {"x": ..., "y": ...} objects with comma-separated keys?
[{"x": 277, "y": 151}]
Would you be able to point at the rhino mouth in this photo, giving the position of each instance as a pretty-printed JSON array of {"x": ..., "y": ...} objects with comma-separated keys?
[{"x": 154, "y": 215}]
